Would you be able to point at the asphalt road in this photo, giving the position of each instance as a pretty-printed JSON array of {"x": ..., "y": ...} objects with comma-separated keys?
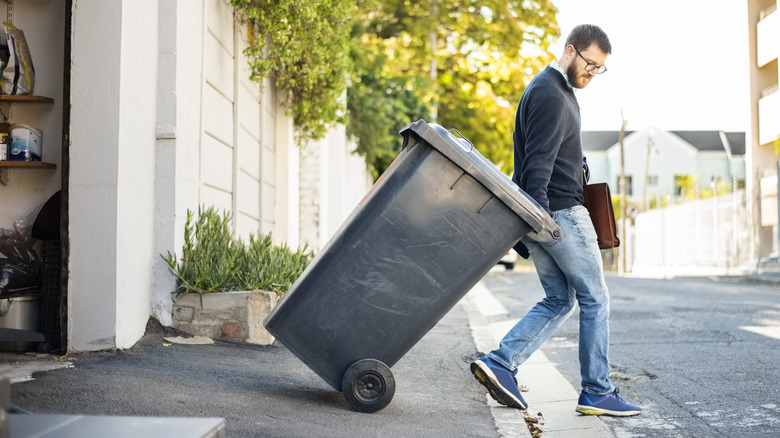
[
  {"x": 699, "y": 355},
  {"x": 265, "y": 391}
]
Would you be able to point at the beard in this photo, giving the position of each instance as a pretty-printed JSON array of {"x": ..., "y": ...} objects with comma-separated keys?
[{"x": 575, "y": 80}]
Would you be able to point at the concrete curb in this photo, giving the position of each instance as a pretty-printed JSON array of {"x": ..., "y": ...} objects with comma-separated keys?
[{"x": 549, "y": 393}]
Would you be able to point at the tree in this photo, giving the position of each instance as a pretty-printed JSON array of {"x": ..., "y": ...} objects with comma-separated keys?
[
  {"x": 305, "y": 46},
  {"x": 685, "y": 186},
  {"x": 460, "y": 63},
  {"x": 688, "y": 188}
]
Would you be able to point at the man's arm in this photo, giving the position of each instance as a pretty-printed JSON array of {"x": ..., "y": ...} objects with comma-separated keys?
[{"x": 542, "y": 125}]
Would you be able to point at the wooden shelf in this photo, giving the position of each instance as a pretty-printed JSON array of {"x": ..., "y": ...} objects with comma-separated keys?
[
  {"x": 6, "y": 165},
  {"x": 27, "y": 165},
  {"x": 24, "y": 98}
]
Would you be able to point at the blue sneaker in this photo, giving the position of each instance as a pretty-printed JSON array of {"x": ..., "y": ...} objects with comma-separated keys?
[
  {"x": 607, "y": 404},
  {"x": 499, "y": 381}
]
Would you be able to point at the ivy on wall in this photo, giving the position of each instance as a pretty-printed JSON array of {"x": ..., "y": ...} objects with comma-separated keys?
[
  {"x": 304, "y": 47},
  {"x": 376, "y": 65}
]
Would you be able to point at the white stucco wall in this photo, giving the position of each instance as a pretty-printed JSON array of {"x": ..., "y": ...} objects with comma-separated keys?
[
  {"x": 135, "y": 179},
  {"x": 163, "y": 121},
  {"x": 114, "y": 86},
  {"x": 333, "y": 181},
  {"x": 222, "y": 141},
  {"x": 287, "y": 190},
  {"x": 346, "y": 181},
  {"x": 178, "y": 127}
]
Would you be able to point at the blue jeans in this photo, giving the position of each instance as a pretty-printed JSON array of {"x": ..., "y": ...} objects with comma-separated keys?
[{"x": 570, "y": 269}]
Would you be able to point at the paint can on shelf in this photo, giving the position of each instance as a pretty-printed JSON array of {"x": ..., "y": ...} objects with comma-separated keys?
[{"x": 26, "y": 143}]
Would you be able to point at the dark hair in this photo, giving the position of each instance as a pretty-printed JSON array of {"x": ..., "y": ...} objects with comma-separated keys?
[{"x": 583, "y": 35}]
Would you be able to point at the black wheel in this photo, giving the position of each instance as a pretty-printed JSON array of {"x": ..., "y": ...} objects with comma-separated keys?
[{"x": 368, "y": 385}]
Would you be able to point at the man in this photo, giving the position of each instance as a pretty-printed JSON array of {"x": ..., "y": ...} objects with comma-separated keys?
[{"x": 549, "y": 166}]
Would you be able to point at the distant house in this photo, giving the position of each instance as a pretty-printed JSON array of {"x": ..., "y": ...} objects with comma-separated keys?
[{"x": 707, "y": 156}]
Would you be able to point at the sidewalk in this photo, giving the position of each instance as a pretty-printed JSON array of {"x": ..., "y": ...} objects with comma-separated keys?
[{"x": 548, "y": 392}]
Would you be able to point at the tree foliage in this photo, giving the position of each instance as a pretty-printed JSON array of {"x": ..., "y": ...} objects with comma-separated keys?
[
  {"x": 305, "y": 45},
  {"x": 460, "y": 63}
]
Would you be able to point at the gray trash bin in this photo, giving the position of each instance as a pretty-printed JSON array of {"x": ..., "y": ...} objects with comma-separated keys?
[{"x": 430, "y": 228}]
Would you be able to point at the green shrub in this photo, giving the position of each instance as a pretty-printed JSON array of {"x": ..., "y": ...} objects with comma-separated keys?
[{"x": 213, "y": 261}]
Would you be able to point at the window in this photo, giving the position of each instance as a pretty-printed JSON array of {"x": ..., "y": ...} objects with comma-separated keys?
[
  {"x": 652, "y": 180},
  {"x": 629, "y": 186}
]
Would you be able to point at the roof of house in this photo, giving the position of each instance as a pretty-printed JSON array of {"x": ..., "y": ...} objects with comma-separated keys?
[
  {"x": 600, "y": 140},
  {"x": 701, "y": 140},
  {"x": 710, "y": 140}
]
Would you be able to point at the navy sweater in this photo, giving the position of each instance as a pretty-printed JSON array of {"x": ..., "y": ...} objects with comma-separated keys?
[{"x": 548, "y": 145}]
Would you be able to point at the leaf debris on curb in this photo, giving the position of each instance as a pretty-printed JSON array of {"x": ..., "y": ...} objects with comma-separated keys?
[
  {"x": 534, "y": 423},
  {"x": 195, "y": 340}
]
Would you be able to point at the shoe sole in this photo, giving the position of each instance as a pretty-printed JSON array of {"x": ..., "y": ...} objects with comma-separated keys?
[
  {"x": 486, "y": 377},
  {"x": 589, "y": 410}
]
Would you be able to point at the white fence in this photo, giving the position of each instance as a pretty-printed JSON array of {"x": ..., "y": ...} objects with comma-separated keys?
[{"x": 699, "y": 237}]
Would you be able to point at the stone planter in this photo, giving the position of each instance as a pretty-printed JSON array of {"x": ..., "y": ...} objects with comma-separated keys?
[{"x": 231, "y": 315}]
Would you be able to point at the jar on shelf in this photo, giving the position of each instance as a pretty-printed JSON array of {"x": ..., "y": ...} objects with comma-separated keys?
[{"x": 26, "y": 143}]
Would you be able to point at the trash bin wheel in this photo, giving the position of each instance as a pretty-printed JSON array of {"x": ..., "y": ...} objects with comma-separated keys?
[{"x": 368, "y": 385}]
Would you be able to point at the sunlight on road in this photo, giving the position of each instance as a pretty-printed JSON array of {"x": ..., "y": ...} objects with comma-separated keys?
[{"x": 771, "y": 331}]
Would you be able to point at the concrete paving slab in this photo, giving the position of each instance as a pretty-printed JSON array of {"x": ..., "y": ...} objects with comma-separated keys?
[
  {"x": 22, "y": 366},
  {"x": 550, "y": 396},
  {"x": 79, "y": 426}
]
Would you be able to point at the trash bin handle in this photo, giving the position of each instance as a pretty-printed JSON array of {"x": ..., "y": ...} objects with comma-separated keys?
[{"x": 461, "y": 136}]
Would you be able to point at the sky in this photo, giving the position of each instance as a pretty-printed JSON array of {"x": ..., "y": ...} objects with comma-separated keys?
[{"x": 675, "y": 64}]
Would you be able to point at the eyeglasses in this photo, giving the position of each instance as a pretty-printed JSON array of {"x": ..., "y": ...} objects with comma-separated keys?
[{"x": 590, "y": 67}]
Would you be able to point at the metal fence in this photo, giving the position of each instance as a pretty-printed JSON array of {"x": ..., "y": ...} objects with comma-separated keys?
[{"x": 702, "y": 236}]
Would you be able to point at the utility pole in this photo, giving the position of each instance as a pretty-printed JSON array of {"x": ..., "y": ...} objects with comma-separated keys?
[
  {"x": 645, "y": 205},
  {"x": 622, "y": 248}
]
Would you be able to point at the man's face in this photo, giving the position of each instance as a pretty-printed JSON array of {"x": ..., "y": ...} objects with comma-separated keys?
[{"x": 578, "y": 76}]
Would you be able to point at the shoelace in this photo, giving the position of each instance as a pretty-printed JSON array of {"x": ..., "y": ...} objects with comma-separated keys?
[{"x": 615, "y": 394}]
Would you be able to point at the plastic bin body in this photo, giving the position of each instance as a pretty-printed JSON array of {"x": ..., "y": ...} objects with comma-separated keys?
[{"x": 422, "y": 237}]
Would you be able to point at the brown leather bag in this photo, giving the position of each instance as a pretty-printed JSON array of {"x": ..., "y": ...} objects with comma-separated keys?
[{"x": 598, "y": 201}]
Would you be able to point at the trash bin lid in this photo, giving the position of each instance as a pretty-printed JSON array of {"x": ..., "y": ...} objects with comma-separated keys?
[{"x": 463, "y": 153}]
